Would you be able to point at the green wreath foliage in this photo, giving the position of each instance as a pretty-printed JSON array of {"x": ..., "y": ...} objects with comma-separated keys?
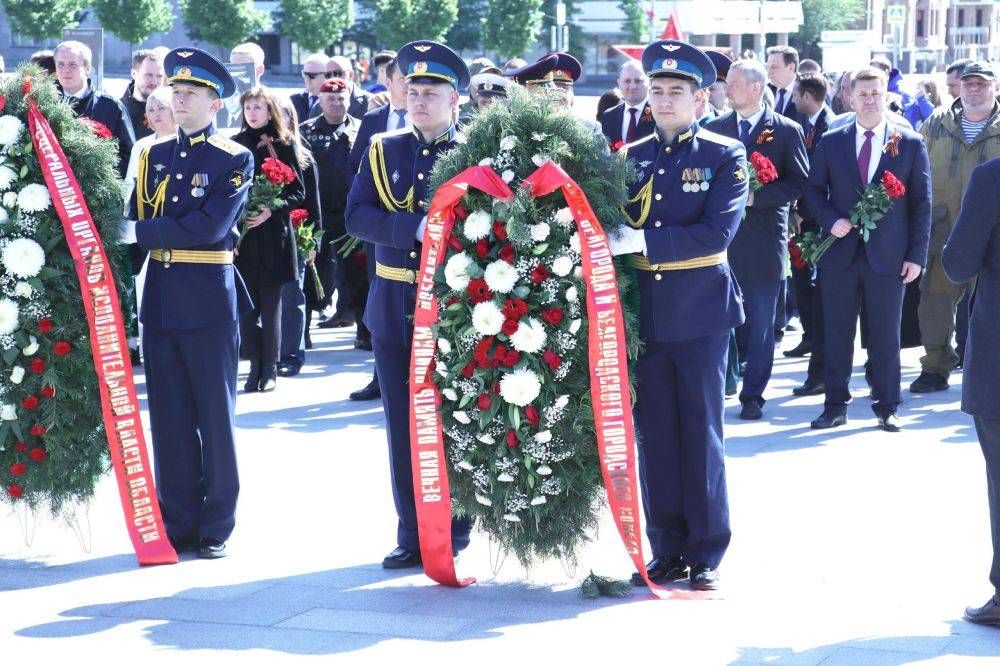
[
  {"x": 53, "y": 448},
  {"x": 538, "y": 497}
]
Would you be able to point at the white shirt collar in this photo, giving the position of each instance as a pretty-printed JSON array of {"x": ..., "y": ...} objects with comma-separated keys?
[
  {"x": 878, "y": 130},
  {"x": 80, "y": 94},
  {"x": 754, "y": 119},
  {"x": 813, "y": 118},
  {"x": 640, "y": 106}
]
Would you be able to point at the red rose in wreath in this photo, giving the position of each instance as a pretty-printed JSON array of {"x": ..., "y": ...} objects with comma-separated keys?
[
  {"x": 512, "y": 438},
  {"x": 31, "y": 402},
  {"x": 61, "y": 349},
  {"x": 38, "y": 366},
  {"x": 44, "y": 325},
  {"x": 539, "y": 274},
  {"x": 18, "y": 469},
  {"x": 37, "y": 454},
  {"x": 15, "y": 491},
  {"x": 552, "y": 315}
]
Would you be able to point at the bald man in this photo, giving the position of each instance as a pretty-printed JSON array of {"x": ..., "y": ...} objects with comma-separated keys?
[
  {"x": 632, "y": 119},
  {"x": 341, "y": 67},
  {"x": 313, "y": 75}
]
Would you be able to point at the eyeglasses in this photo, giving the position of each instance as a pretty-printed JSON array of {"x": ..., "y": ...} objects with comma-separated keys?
[
  {"x": 337, "y": 73},
  {"x": 313, "y": 75}
]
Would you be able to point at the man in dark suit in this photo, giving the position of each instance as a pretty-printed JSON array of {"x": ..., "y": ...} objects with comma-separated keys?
[
  {"x": 341, "y": 67},
  {"x": 632, "y": 119},
  {"x": 782, "y": 68},
  {"x": 313, "y": 75},
  {"x": 815, "y": 115},
  {"x": 893, "y": 256},
  {"x": 973, "y": 251},
  {"x": 759, "y": 250}
]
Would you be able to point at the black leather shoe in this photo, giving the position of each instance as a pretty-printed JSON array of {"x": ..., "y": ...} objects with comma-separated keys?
[
  {"x": 730, "y": 392},
  {"x": 751, "y": 411},
  {"x": 829, "y": 419},
  {"x": 268, "y": 378},
  {"x": 929, "y": 382},
  {"x": 401, "y": 558},
  {"x": 183, "y": 545},
  {"x": 804, "y": 348},
  {"x": 211, "y": 549},
  {"x": 987, "y": 614},
  {"x": 309, "y": 341},
  {"x": 363, "y": 343},
  {"x": 663, "y": 570},
  {"x": 742, "y": 369},
  {"x": 704, "y": 577},
  {"x": 370, "y": 392},
  {"x": 253, "y": 379},
  {"x": 289, "y": 369},
  {"x": 810, "y": 388},
  {"x": 779, "y": 335},
  {"x": 888, "y": 422},
  {"x": 336, "y": 321}
]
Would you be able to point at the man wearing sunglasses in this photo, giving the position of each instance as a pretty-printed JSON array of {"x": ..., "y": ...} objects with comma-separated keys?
[
  {"x": 313, "y": 75},
  {"x": 340, "y": 67}
]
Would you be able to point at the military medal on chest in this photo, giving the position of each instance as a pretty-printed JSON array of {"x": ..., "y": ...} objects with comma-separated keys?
[
  {"x": 198, "y": 184},
  {"x": 696, "y": 180}
]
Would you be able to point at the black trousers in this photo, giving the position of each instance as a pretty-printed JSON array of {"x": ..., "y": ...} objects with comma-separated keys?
[
  {"x": 817, "y": 366},
  {"x": 989, "y": 439},
  {"x": 802, "y": 282},
  {"x": 260, "y": 329}
]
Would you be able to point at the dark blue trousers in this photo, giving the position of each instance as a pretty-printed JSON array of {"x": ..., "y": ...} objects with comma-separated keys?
[
  {"x": 191, "y": 384},
  {"x": 293, "y": 319},
  {"x": 681, "y": 453},
  {"x": 755, "y": 337},
  {"x": 392, "y": 364},
  {"x": 883, "y": 298}
]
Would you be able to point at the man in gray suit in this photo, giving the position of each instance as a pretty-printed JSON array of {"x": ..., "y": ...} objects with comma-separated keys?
[{"x": 973, "y": 250}]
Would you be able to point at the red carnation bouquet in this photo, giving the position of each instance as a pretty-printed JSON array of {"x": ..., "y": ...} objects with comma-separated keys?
[
  {"x": 762, "y": 172},
  {"x": 307, "y": 242},
  {"x": 265, "y": 190},
  {"x": 875, "y": 202}
]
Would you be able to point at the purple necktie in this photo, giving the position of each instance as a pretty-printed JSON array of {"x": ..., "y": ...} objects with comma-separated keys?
[
  {"x": 632, "y": 124},
  {"x": 865, "y": 157}
]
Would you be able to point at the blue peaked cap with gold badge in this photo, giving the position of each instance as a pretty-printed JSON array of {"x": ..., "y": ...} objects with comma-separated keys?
[
  {"x": 538, "y": 74},
  {"x": 190, "y": 65},
  {"x": 678, "y": 60},
  {"x": 424, "y": 61}
]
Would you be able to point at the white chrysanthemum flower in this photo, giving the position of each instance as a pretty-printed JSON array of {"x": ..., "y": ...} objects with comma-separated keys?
[
  {"x": 9, "y": 199},
  {"x": 23, "y": 257},
  {"x": 450, "y": 394},
  {"x": 23, "y": 290},
  {"x": 504, "y": 477},
  {"x": 564, "y": 216},
  {"x": 520, "y": 387},
  {"x": 501, "y": 276},
  {"x": 511, "y": 517},
  {"x": 441, "y": 369},
  {"x": 538, "y": 500},
  {"x": 540, "y": 159},
  {"x": 578, "y": 272},
  {"x": 465, "y": 464},
  {"x": 529, "y": 337},
  {"x": 10, "y": 129},
  {"x": 444, "y": 346},
  {"x": 575, "y": 326},
  {"x": 543, "y": 437},
  {"x": 486, "y": 161},
  {"x": 487, "y": 439},
  {"x": 507, "y": 175},
  {"x": 4, "y": 216},
  {"x": 574, "y": 242},
  {"x": 477, "y": 225},
  {"x": 487, "y": 318},
  {"x": 16, "y": 374},
  {"x": 8, "y": 412},
  {"x": 572, "y": 295},
  {"x": 454, "y": 271},
  {"x": 31, "y": 348},
  {"x": 562, "y": 265},
  {"x": 34, "y": 198},
  {"x": 543, "y": 470},
  {"x": 539, "y": 232},
  {"x": 9, "y": 314},
  {"x": 461, "y": 417},
  {"x": 485, "y": 501},
  {"x": 561, "y": 402},
  {"x": 7, "y": 177},
  {"x": 508, "y": 142}
]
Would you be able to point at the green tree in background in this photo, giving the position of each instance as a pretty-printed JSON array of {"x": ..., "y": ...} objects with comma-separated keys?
[
  {"x": 133, "y": 21},
  {"x": 636, "y": 23},
  {"x": 315, "y": 24},
  {"x": 512, "y": 26},
  {"x": 467, "y": 33},
  {"x": 577, "y": 44},
  {"x": 42, "y": 19},
  {"x": 820, "y": 15},
  {"x": 401, "y": 21},
  {"x": 224, "y": 23}
]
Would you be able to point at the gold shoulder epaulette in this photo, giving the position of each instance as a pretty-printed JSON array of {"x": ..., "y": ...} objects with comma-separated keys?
[
  {"x": 226, "y": 144},
  {"x": 380, "y": 175}
]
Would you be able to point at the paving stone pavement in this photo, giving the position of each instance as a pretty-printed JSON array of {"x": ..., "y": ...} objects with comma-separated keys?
[{"x": 850, "y": 546}]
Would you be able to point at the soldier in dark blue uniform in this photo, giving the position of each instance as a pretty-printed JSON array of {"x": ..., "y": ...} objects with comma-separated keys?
[
  {"x": 684, "y": 212},
  {"x": 189, "y": 195},
  {"x": 387, "y": 206}
]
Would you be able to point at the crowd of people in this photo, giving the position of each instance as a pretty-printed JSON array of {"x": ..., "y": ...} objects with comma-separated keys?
[{"x": 716, "y": 244}]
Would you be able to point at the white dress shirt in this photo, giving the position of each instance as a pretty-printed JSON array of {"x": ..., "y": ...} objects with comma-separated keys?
[
  {"x": 814, "y": 118},
  {"x": 753, "y": 120},
  {"x": 392, "y": 124},
  {"x": 627, "y": 117},
  {"x": 877, "y": 142},
  {"x": 787, "y": 100}
]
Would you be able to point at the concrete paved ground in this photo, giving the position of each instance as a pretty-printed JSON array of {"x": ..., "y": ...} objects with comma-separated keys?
[{"x": 851, "y": 546}]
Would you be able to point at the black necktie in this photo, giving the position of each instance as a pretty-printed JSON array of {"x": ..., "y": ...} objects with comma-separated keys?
[{"x": 781, "y": 101}]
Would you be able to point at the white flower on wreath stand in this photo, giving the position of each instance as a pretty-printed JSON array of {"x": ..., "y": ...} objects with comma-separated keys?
[
  {"x": 7, "y": 177},
  {"x": 9, "y": 199},
  {"x": 520, "y": 387},
  {"x": 564, "y": 216},
  {"x": 530, "y": 336},
  {"x": 34, "y": 198},
  {"x": 23, "y": 257},
  {"x": 477, "y": 225},
  {"x": 539, "y": 232},
  {"x": 9, "y": 316},
  {"x": 32, "y": 347},
  {"x": 454, "y": 271},
  {"x": 10, "y": 130},
  {"x": 508, "y": 142},
  {"x": 487, "y": 318},
  {"x": 8, "y": 412},
  {"x": 562, "y": 266},
  {"x": 23, "y": 290},
  {"x": 507, "y": 175},
  {"x": 17, "y": 374},
  {"x": 500, "y": 276}
]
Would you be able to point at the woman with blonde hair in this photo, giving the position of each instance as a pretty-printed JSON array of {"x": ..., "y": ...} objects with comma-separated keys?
[{"x": 267, "y": 258}]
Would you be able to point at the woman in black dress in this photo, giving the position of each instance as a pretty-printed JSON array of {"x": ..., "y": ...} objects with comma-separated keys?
[{"x": 267, "y": 257}]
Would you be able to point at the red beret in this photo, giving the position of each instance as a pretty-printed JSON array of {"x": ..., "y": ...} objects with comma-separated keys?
[{"x": 334, "y": 85}]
